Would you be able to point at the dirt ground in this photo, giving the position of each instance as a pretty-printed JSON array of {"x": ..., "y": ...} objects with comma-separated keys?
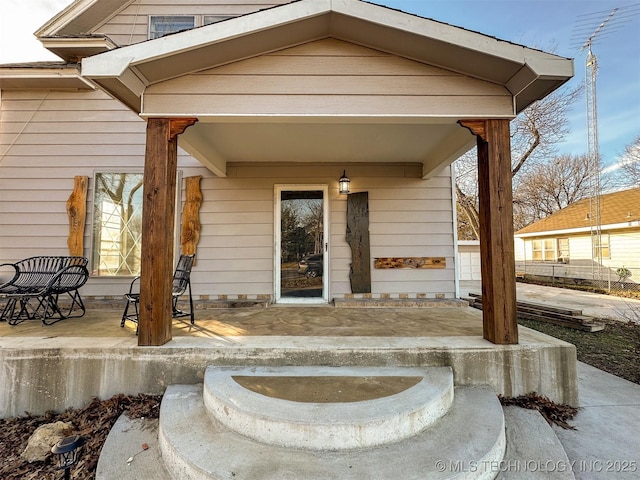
[{"x": 616, "y": 349}]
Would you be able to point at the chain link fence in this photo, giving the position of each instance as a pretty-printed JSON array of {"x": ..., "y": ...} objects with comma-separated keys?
[{"x": 610, "y": 279}]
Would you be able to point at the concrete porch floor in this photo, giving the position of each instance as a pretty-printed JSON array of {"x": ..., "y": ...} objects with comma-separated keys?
[{"x": 312, "y": 321}]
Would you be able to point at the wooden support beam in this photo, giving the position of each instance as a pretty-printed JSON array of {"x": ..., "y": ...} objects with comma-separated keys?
[
  {"x": 497, "y": 262},
  {"x": 158, "y": 216}
]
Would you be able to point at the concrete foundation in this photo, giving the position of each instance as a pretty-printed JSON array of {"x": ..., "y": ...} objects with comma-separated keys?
[{"x": 40, "y": 374}]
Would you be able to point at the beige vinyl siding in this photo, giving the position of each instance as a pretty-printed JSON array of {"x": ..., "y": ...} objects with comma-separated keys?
[
  {"x": 130, "y": 25},
  {"x": 327, "y": 77},
  {"x": 47, "y": 138},
  {"x": 240, "y": 230},
  {"x": 417, "y": 238}
]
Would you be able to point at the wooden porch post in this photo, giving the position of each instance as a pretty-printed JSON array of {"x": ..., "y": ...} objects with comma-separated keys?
[
  {"x": 158, "y": 217},
  {"x": 497, "y": 262}
]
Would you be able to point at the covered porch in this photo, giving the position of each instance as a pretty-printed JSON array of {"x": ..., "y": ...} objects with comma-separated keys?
[{"x": 317, "y": 82}]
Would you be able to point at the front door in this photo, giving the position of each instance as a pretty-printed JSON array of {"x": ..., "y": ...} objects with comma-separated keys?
[{"x": 301, "y": 246}]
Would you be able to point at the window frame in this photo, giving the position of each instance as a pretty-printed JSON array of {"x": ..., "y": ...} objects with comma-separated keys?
[
  {"x": 220, "y": 18},
  {"x": 177, "y": 218},
  {"x": 150, "y": 24},
  {"x": 547, "y": 255},
  {"x": 602, "y": 247},
  {"x": 198, "y": 21},
  {"x": 563, "y": 257}
]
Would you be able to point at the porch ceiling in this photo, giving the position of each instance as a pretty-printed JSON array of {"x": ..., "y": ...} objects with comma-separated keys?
[
  {"x": 217, "y": 141},
  {"x": 434, "y": 141}
]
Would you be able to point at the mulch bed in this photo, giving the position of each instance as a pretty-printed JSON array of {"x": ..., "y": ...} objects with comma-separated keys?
[{"x": 92, "y": 422}]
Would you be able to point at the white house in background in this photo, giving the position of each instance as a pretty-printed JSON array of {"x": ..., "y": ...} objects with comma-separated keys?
[{"x": 568, "y": 238}]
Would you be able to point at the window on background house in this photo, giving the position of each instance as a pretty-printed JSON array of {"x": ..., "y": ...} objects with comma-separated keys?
[
  {"x": 117, "y": 224},
  {"x": 161, "y": 25},
  {"x": 601, "y": 248},
  {"x": 544, "y": 250},
  {"x": 563, "y": 250}
]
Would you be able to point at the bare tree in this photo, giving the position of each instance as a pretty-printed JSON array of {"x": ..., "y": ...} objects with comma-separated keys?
[
  {"x": 548, "y": 187},
  {"x": 630, "y": 164},
  {"x": 535, "y": 132},
  {"x": 313, "y": 222},
  {"x": 465, "y": 232}
]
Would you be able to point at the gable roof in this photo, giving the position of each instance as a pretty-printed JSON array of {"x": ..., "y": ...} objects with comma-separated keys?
[
  {"x": 80, "y": 16},
  {"x": 528, "y": 74},
  {"x": 617, "y": 210},
  {"x": 426, "y": 134}
]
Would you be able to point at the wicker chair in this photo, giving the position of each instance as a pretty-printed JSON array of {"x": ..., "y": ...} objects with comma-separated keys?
[{"x": 181, "y": 284}]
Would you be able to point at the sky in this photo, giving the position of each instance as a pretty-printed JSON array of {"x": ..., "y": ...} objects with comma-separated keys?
[{"x": 560, "y": 26}]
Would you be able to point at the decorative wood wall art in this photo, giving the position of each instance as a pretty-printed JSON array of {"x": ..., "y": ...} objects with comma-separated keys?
[
  {"x": 411, "y": 262},
  {"x": 358, "y": 240},
  {"x": 77, "y": 212},
  {"x": 190, "y": 231}
]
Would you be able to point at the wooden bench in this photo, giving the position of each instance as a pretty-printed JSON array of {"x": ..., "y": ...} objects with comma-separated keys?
[{"x": 38, "y": 286}]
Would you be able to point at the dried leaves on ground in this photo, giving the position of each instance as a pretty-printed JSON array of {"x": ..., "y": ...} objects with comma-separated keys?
[
  {"x": 92, "y": 422},
  {"x": 552, "y": 412}
]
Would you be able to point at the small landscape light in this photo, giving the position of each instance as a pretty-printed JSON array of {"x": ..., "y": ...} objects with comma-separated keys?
[{"x": 67, "y": 452}]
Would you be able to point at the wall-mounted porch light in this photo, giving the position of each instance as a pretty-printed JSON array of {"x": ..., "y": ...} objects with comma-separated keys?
[
  {"x": 344, "y": 184},
  {"x": 67, "y": 452}
]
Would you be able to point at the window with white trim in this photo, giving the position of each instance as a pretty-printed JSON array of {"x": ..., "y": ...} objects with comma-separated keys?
[
  {"x": 601, "y": 247},
  {"x": 117, "y": 224},
  {"x": 209, "y": 19},
  {"x": 161, "y": 25},
  {"x": 544, "y": 250},
  {"x": 563, "y": 250}
]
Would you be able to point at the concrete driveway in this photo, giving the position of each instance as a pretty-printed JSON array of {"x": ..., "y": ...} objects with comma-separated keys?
[{"x": 591, "y": 304}]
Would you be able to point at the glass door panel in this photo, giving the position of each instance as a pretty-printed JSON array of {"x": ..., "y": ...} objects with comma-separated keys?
[{"x": 302, "y": 244}]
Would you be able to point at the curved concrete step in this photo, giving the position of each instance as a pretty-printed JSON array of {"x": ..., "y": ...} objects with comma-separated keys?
[
  {"x": 324, "y": 425},
  {"x": 461, "y": 445}
]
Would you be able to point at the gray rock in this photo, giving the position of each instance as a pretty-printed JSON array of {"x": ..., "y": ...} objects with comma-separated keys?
[{"x": 45, "y": 437}]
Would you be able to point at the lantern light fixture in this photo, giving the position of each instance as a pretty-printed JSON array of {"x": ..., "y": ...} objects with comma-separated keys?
[{"x": 344, "y": 184}]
